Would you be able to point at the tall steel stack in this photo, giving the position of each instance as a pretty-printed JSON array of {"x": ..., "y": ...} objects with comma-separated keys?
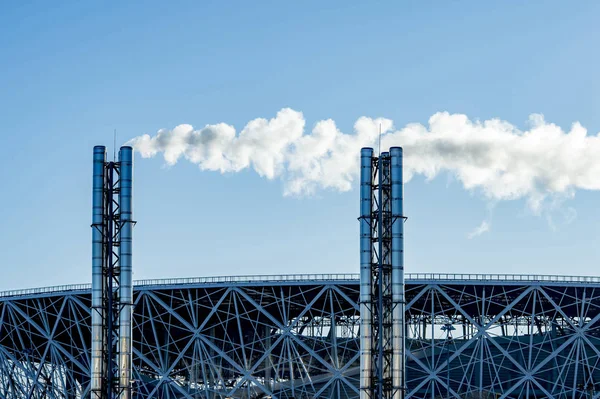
[
  {"x": 112, "y": 291},
  {"x": 382, "y": 358}
]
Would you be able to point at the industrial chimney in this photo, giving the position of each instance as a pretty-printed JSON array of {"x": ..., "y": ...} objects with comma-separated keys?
[
  {"x": 112, "y": 289},
  {"x": 382, "y": 340}
]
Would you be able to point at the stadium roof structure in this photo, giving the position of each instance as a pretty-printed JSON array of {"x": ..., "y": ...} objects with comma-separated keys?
[{"x": 468, "y": 335}]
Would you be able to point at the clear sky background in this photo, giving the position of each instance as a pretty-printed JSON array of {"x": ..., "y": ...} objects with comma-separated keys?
[{"x": 71, "y": 72}]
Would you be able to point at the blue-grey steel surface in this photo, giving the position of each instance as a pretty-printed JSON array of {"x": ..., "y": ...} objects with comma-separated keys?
[
  {"x": 397, "y": 272},
  {"x": 366, "y": 207},
  {"x": 97, "y": 261},
  {"x": 112, "y": 299},
  {"x": 126, "y": 272},
  {"x": 384, "y": 378},
  {"x": 514, "y": 337}
]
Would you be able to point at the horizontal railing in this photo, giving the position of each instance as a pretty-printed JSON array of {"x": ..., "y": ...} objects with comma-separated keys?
[
  {"x": 44, "y": 290},
  {"x": 317, "y": 277},
  {"x": 249, "y": 279},
  {"x": 503, "y": 277},
  {"x": 194, "y": 280}
]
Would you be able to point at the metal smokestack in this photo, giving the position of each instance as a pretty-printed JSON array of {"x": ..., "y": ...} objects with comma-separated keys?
[
  {"x": 125, "y": 261},
  {"x": 398, "y": 332},
  {"x": 366, "y": 208},
  {"x": 97, "y": 360},
  {"x": 382, "y": 333}
]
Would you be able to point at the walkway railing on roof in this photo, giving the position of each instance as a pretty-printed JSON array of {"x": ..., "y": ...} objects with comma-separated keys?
[
  {"x": 44, "y": 290},
  {"x": 249, "y": 279},
  {"x": 317, "y": 277},
  {"x": 504, "y": 277}
]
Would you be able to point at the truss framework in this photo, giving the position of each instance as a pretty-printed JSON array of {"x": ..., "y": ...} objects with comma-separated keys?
[
  {"x": 111, "y": 298},
  {"x": 300, "y": 339},
  {"x": 381, "y": 220}
]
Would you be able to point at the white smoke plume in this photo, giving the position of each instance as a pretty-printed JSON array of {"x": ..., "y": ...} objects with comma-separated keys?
[
  {"x": 493, "y": 157},
  {"x": 484, "y": 227}
]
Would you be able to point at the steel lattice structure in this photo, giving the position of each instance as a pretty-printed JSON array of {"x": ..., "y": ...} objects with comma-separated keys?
[
  {"x": 112, "y": 291},
  {"x": 382, "y": 340},
  {"x": 298, "y": 336}
]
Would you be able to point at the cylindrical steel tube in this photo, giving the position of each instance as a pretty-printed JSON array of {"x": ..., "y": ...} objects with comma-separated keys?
[
  {"x": 125, "y": 262},
  {"x": 97, "y": 360},
  {"x": 398, "y": 338},
  {"x": 366, "y": 207}
]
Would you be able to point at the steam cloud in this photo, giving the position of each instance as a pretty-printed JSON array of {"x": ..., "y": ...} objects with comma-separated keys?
[
  {"x": 484, "y": 227},
  {"x": 492, "y": 157}
]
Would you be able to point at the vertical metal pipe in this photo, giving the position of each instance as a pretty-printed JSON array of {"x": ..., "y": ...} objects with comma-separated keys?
[
  {"x": 125, "y": 261},
  {"x": 97, "y": 360},
  {"x": 366, "y": 207},
  {"x": 398, "y": 301}
]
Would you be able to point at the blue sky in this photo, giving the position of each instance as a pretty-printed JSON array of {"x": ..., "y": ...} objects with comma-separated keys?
[{"x": 71, "y": 72}]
